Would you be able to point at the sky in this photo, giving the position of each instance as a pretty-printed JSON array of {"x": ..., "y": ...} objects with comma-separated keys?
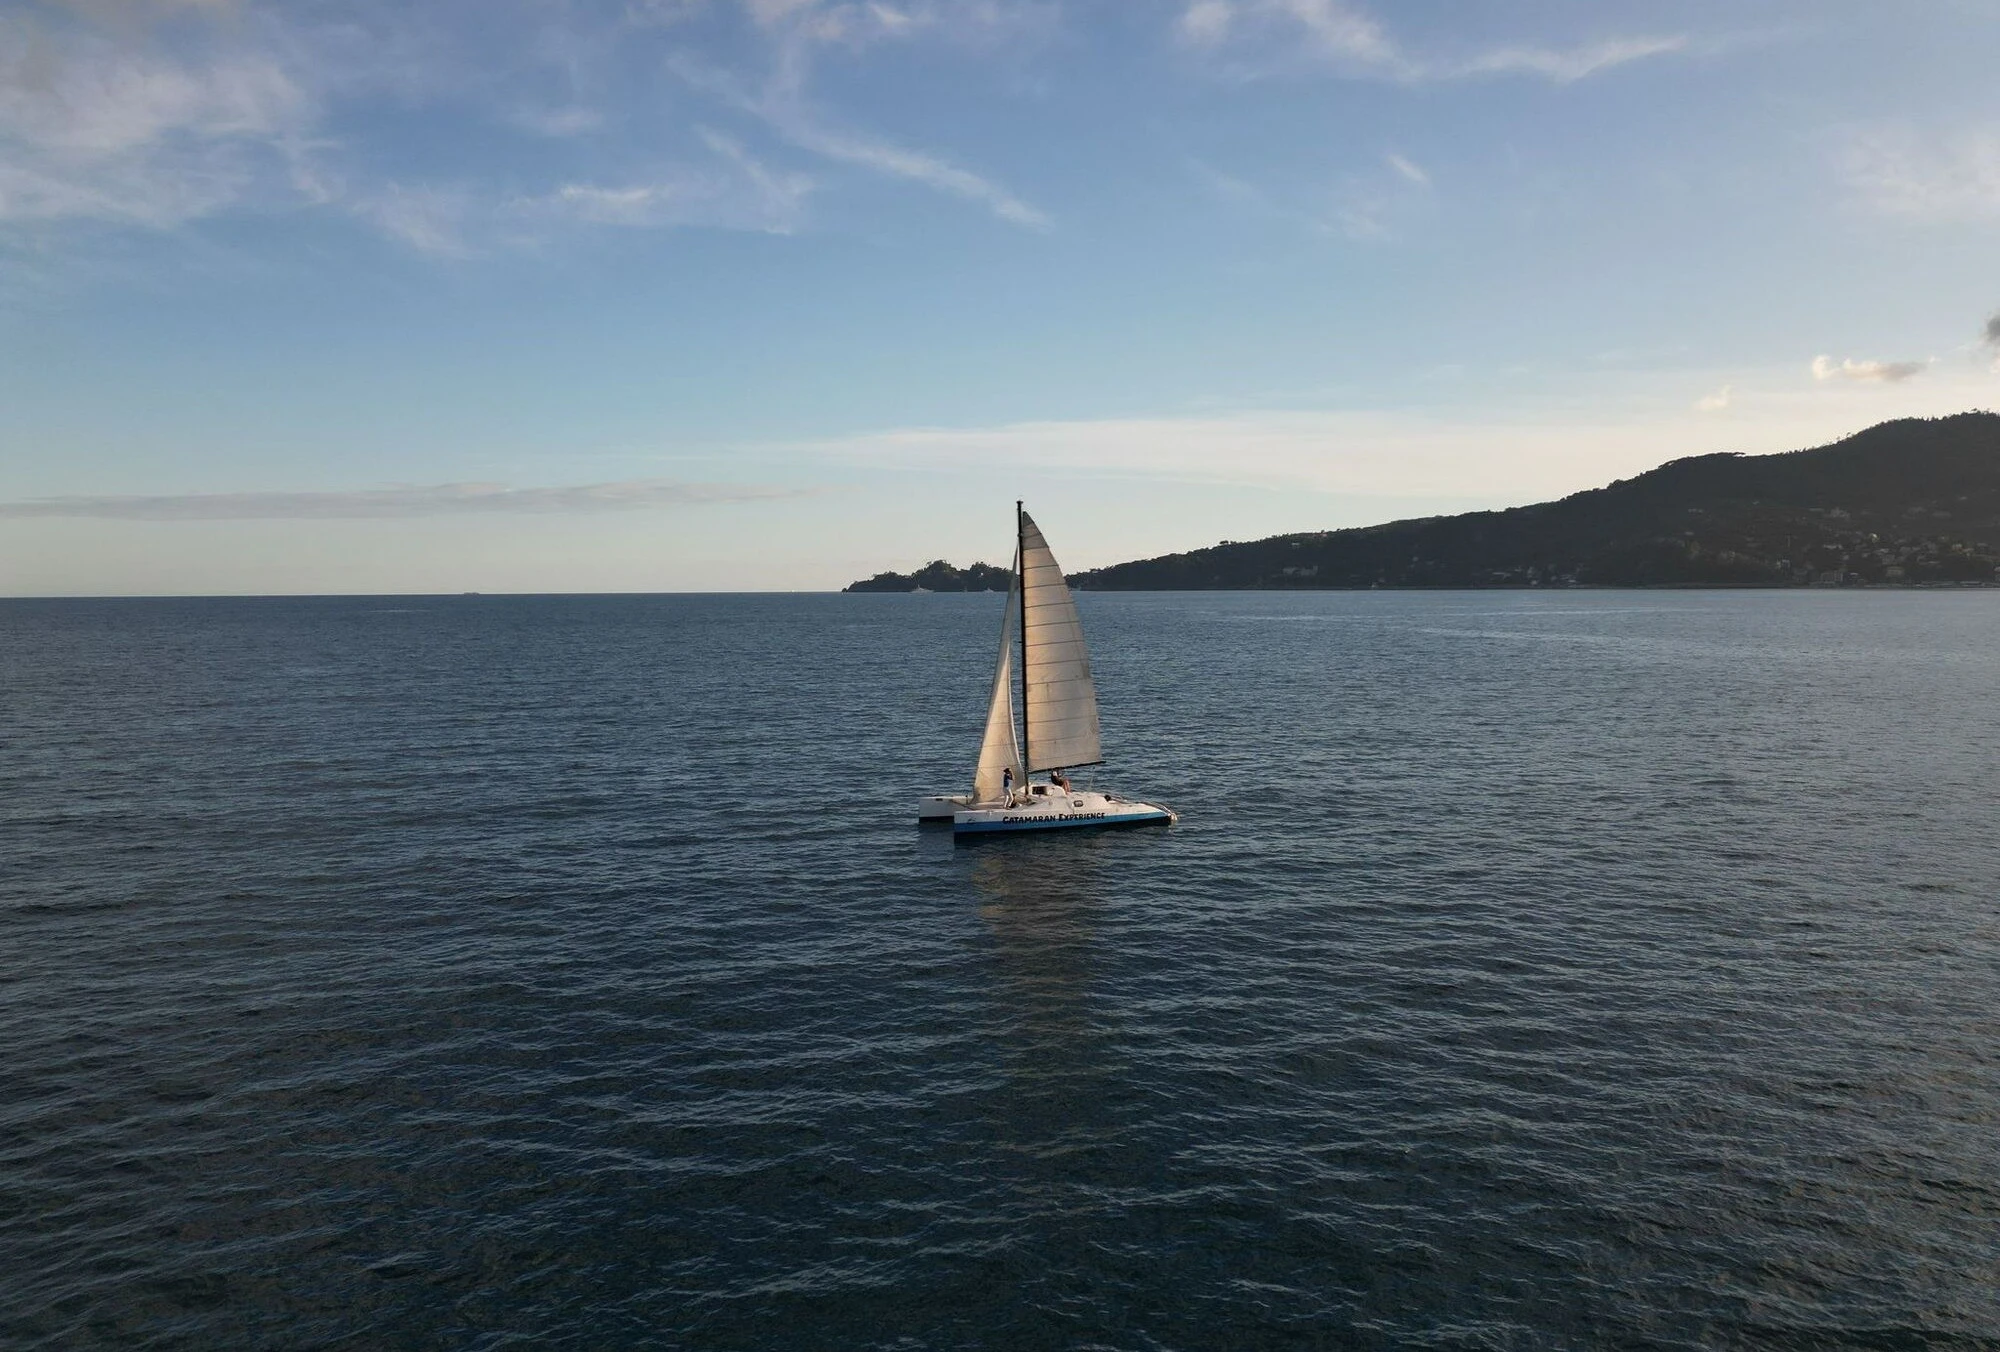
[{"x": 334, "y": 296}]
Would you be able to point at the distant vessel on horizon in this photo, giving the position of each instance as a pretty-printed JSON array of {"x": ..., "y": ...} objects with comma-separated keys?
[{"x": 1058, "y": 730}]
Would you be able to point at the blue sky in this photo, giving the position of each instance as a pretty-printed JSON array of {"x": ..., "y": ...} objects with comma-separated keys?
[{"x": 717, "y": 294}]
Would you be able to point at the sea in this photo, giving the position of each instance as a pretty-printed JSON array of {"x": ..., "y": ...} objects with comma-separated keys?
[{"x": 1528, "y": 970}]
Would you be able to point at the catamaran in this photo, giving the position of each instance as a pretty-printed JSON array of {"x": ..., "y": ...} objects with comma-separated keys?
[{"x": 1058, "y": 728}]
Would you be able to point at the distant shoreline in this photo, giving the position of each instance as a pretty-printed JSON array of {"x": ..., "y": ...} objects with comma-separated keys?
[
  {"x": 1475, "y": 587},
  {"x": 1908, "y": 504},
  {"x": 456, "y": 597}
]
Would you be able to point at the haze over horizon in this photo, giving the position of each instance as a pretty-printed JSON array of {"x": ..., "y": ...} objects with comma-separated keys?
[{"x": 774, "y": 294}]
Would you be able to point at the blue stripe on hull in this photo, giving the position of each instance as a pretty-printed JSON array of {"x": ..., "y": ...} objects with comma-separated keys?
[{"x": 1054, "y": 824}]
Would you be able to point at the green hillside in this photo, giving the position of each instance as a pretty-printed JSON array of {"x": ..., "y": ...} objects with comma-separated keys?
[{"x": 1911, "y": 501}]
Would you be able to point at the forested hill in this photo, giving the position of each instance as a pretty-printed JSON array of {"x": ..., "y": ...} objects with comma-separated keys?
[
  {"x": 1911, "y": 501},
  {"x": 939, "y": 576}
]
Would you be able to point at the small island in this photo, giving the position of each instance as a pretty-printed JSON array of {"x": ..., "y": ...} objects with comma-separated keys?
[{"x": 939, "y": 576}]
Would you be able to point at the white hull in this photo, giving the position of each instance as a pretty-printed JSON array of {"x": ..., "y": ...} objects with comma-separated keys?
[
  {"x": 941, "y": 807},
  {"x": 1044, "y": 807}
]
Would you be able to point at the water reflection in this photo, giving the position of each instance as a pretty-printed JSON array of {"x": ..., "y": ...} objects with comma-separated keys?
[
  {"x": 1039, "y": 901},
  {"x": 1057, "y": 1033}
]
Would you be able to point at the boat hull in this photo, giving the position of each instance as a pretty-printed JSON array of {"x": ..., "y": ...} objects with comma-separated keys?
[
  {"x": 1043, "y": 810},
  {"x": 939, "y": 809},
  {"x": 1091, "y": 821}
]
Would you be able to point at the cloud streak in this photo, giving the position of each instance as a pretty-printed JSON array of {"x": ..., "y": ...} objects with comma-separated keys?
[
  {"x": 1492, "y": 456},
  {"x": 156, "y": 113},
  {"x": 1365, "y": 207},
  {"x": 737, "y": 191},
  {"x": 1566, "y": 65},
  {"x": 96, "y": 125},
  {"x": 1938, "y": 179},
  {"x": 730, "y": 190},
  {"x": 783, "y": 106},
  {"x": 1825, "y": 368},
  {"x": 1348, "y": 38},
  {"x": 884, "y": 157},
  {"x": 1375, "y": 454},
  {"x": 402, "y": 501},
  {"x": 1409, "y": 169}
]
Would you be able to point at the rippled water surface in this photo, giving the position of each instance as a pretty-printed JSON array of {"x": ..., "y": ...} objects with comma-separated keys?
[{"x": 1529, "y": 970}]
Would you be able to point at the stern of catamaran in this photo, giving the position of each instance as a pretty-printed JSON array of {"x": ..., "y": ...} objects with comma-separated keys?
[{"x": 940, "y": 808}]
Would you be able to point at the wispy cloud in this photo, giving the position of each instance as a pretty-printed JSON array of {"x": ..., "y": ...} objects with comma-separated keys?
[
  {"x": 79, "y": 96},
  {"x": 1898, "y": 172},
  {"x": 1409, "y": 170},
  {"x": 731, "y": 189},
  {"x": 884, "y": 157},
  {"x": 1366, "y": 206},
  {"x": 1501, "y": 452},
  {"x": 1348, "y": 38},
  {"x": 1361, "y": 453},
  {"x": 1205, "y": 23},
  {"x": 1825, "y": 368},
  {"x": 739, "y": 191},
  {"x": 401, "y": 501},
  {"x": 430, "y": 219},
  {"x": 94, "y": 125},
  {"x": 156, "y": 113},
  {"x": 782, "y": 102},
  {"x": 573, "y": 120},
  {"x": 1361, "y": 214},
  {"x": 1715, "y": 403},
  {"x": 862, "y": 23},
  {"x": 1237, "y": 192},
  {"x": 779, "y": 191},
  {"x": 1566, "y": 65},
  {"x": 1341, "y": 32}
]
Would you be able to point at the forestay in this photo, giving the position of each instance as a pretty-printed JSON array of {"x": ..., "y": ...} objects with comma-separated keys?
[
  {"x": 1059, "y": 700},
  {"x": 1000, "y": 750}
]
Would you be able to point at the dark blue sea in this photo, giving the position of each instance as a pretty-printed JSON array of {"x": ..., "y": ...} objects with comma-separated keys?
[{"x": 1529, "y": 970}]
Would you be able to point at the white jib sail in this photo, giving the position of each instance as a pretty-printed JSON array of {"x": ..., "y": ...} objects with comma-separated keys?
[
  {"x": 1000, "y": 751},
  {"x": 1061, "y": 701}
]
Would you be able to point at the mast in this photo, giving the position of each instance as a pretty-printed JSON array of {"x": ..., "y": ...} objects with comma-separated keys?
[{"x": 1021, "y": 578}]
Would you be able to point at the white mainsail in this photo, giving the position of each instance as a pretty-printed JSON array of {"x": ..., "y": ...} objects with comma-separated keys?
[
  {"x": 1000, "y": 751},
  {"x": 1059, "y": 701}
]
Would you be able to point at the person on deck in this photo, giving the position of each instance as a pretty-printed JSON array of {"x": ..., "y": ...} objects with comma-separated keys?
[
  {"x": 1059, "y": 779},
  {"x": 1007, "y": 784}
]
